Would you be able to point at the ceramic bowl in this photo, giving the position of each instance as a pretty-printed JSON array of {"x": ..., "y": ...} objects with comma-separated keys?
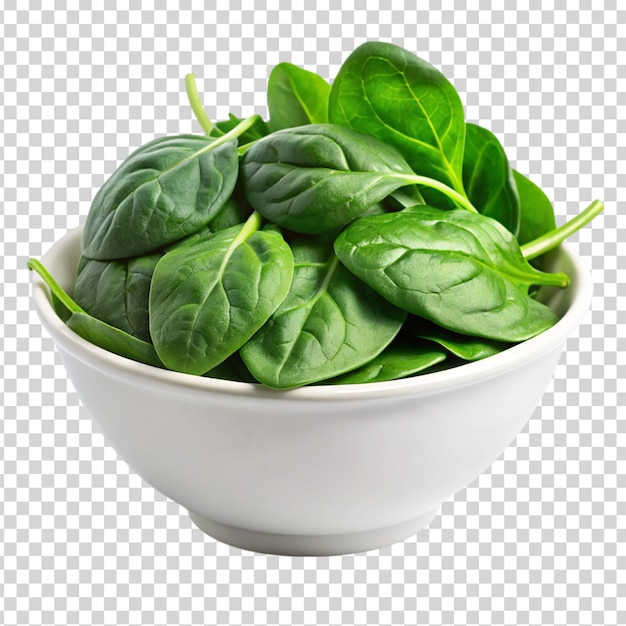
[{"x": 317, "y": 470}]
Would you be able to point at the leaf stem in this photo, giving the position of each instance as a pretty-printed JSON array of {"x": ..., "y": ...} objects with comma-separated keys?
[
  {"x": 458, "y": 198},
  {"x": 196, "y": 105},
  {"x": 55, "y": 288},
  {"x": 233, "y": 133},
  {"x": 552, "y": 239}
]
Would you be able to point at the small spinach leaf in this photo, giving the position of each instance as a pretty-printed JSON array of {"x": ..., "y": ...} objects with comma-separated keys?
[
  {"x": 536, "y": 213},
  {"x": 94, "y": 330},
  {"x": 399, "y": 360},
  {"x": 113, "y": 339},
  {"x": 296, "y": 97},
  {"x": 116, "y": 292},
  {"x": 329, "y": 323},
  {"x": 488, "y": 178},
  {"x": 207, "y": 299},
  {"x": 460, "y": 270},
  {"x": 462, "y": 346},
  {"x": 389, "y": 93}
]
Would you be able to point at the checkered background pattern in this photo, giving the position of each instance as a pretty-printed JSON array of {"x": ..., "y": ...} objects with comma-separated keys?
[{"x": 538, "y": 539}]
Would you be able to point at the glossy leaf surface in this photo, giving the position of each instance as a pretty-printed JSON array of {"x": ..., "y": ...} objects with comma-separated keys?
[
  {"x": 329, "y": 323},
  {"x": 391, "y": 94},
  {"x": 295, "y": 97},
  {"x": 116, "y": 292},
  {"x": 537, "y": 212},
  {"x": 488, "y": 178},
  {"x": 461, "y": 270},
  {"x": 167, "y": 189},
  {"x": 113, "y": 339},
  {"x": 462, "y": 346},
  {"x": 207, "y": 299},
  {"x": 319, "y": 177},
  {"x": 399, "y": 360}
]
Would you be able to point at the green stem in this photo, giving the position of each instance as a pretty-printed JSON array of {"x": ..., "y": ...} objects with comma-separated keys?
[
  {"x": 552, "y": 239},
  {"x": 196, "y": 105},
  {"x": 458, "y": 198},
  {"x": 241, "y": 150},
  {"x": 55, "y": 288},
  {"x": 233, "y": 133}
]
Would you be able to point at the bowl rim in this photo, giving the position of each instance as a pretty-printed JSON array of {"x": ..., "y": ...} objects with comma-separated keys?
[{"x": 424, "y": 384}]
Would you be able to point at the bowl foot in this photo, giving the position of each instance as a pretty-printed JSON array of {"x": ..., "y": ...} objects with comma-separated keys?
[{"x": 312, "y": 545}]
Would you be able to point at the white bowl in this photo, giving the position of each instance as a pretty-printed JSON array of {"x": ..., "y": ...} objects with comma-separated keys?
[{"x": 317, "y": 470}]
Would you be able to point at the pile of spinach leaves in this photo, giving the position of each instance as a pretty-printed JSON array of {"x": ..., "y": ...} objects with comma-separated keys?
[{"x": 364, "y": 232}]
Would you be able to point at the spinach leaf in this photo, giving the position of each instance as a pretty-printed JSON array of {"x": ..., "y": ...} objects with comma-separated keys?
[
  {"x": 207, "y": 299},
  {"x": 488, "y": 178},
  {"x": 316, "y": 178},
  {"x": 537, "y": 213},
  {"x": 460, "y": 270},
  {"x": 296, "y": 97},
  {"x": 94, "y": 330},
  {"x": 113, "y": 339},
  {"x": 398, "y": 360},
  {"x": 462, "y": 346},
  {"x": 168, "y": 188},
  {"x": 329, "y": 323},
  {"x": 116, "y": 292},
  {"x": 389, "y": 93}
]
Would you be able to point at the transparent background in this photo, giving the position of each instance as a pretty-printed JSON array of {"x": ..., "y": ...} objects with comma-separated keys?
[{"x": 538, "y": 539}]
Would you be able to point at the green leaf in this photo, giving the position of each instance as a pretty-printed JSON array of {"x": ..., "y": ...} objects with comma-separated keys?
[
  {"x": 391, "y": 94},
  {"x": 319, "y": 177},
  {"x": 462, "y": 346},
  {"x": 113, "y": 339},
  {"x": 94, "y": 330},
  {"x": 460, "y": 270},
  {"x": 207, "y": 299},
  {"x": 329, "y": 323},
  {"x": 488, "y": 178},
  {"x": 399, "y": 360},
  {"x": 167, "y": 189},
  {"x": 116, "y": 292},
  {"x": 536, "y": 210},
  {"x": 296, "y": 97}
]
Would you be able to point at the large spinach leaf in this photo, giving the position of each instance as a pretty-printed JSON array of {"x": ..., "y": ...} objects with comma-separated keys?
[
  {"x": 168, "y": 188},
  {"x": 296, "y": 97},
  {"x": 207, "y": 299},
  {"x": 389, "y": 93},
  {"x": 319, "y": 177},
  {"x": 488, "y": 177},
  {"x": 461, "y": 270},
  {"x": 116, "y": 292},
  {"x": 329, "y": 323}
]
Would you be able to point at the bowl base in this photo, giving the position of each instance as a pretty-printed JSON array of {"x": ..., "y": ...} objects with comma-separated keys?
[{"x": 312, "y": 545}]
